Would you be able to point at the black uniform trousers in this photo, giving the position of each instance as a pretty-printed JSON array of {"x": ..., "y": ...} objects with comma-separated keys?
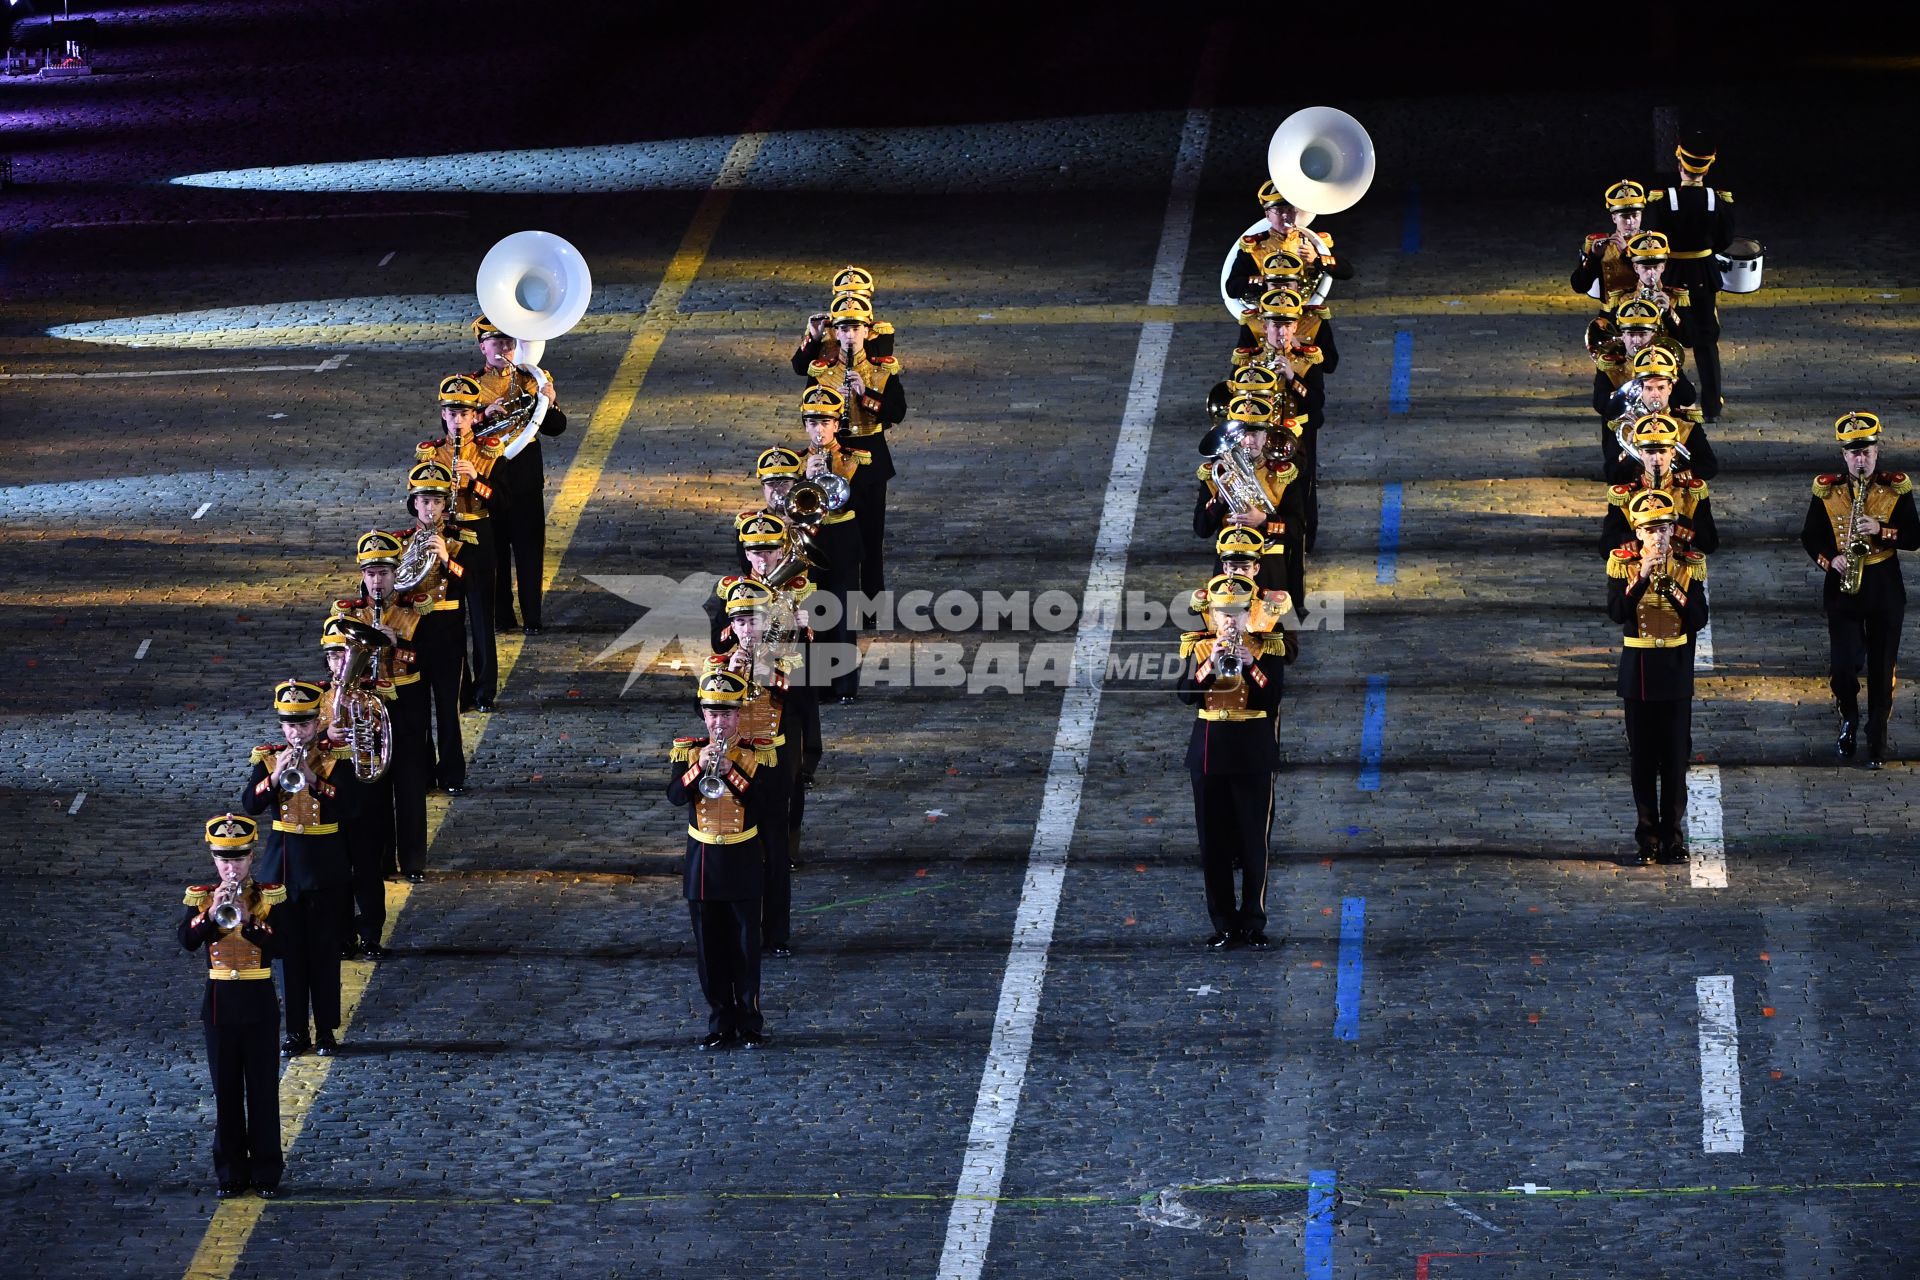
[
  {"x": 520, "y": 544},
  {"x": 1659, "y": 744},
  {"x": 308, "y": 928},
  {"x": 410, "y": 775},
  {"x": 839, "y": 577},
  {"x": 482, "y": 682},
  {"x": 1701, "y": 320},
  {"x": 369, "y": 837},
  {"x": 439, "y": 648},
  {"x": 1863, "y": 634},
  {"x": 1234, "y": 814},
  {"x": 781, "y": 781},
  {"x": 726, "y": 944},
  {"x": 244, "y": 1062}
]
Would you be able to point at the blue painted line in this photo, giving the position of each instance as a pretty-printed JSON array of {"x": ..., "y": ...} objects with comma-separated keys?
[
  {"x": 1402, "y": 381},
  {"x": 1372, "y": 732},
  {"x": 1346, "y": 998},
  {"x": 1388, "y": 569},
  {"x": 1318, "y": 1237},
  {"x": 1410, "y": 229}
]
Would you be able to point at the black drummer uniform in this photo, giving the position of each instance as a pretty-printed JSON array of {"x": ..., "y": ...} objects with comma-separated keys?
[{"x": 1698, "y": 223}]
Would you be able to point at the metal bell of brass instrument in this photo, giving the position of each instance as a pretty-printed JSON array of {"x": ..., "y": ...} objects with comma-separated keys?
[
  {"x": 810, "y": 499},
  {"x": 369, "y": 723},
  {"x": 712, "y": 784},
  {"x": 418, "y": 560},
  {"x": 292, "y": 778},
  {"x": 1228, "y": 670},
  {"x": 1238, "y": 483},
  {"x": 226, "y": 912}
]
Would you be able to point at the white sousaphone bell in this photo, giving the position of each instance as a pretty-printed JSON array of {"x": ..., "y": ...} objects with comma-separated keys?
[
  {"x": 535, "y": 286},
  {"x": 1321, "y": 160}
]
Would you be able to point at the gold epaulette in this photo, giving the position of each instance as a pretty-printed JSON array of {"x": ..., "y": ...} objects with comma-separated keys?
[
  {"x": 889, "y": 365},
  {"x": 1726, "y": 196},
  {"x": 1678, "y": 298},
  {"x": 685, "y": 749},
  {"x": 469, "y": 537},
  {"x": 882, "y": 328},
  {"x": 1204, "y": 472},
  {"x": 1695, "y": 486},
  {"x": 802, "y": 587},
  {"x": 425, "y": 449},
  {"x": 1658, "y": 193},
  {"x": 860, "y": 456},
  {"x": 272, "y": 894},
  {"x": 819, "y": 368},
  {"x": 1288, "y": 474},
  {"x": 1823, "y": 486},
  {"x": 1593, "y": 241},
  {"x": 720, "y": 587},
  {"x": 1310, "y": 352},
  {"x": 198, "y": 896},
  {"x": 1619, "y": 494},
  {"x": 1243, "y": 356},
  {"x": 340, "y": 753},
  {"x": 263, "y": 754},
  {"x": 1898, "y": 482},
  {"x": 1696, "y": 562},
  {"x": 1319, "y": 309},
  {"x": 1250, "y": 243},
  {"x": 1620, "y": 562},
  {"x": 1326, "y": 238},
  {"x": 764, "y": 752},
  {"x": 1190, "y": 640}
]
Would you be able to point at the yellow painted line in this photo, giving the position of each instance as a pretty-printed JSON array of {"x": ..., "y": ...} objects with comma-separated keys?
[{"x": 234, "y": 1220}]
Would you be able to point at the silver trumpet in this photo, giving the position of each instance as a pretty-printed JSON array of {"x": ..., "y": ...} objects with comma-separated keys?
[
  {"x": 1228, "y": 670},
  {"x": 293, "y": 776},
  {"x": 713, "y": 782},
  {"x": 226, "y": 911}
]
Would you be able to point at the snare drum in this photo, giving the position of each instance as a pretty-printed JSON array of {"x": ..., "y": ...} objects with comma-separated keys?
[{"x": 1741, "y": 266}]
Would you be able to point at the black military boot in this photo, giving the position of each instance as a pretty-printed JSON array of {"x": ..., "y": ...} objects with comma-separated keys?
[
  {"x": 1849, "y": 726},
  {"x": 1646, "y": 839},
  {"x": 1876, "y": 747}
]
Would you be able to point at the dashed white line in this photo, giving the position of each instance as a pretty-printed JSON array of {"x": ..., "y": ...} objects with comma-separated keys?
[
  {"x": 970, "y": 1221},
  {"x": 1721, "y": 1127},
  {"x": 141, "y": 652},
  {"x": 1706, "y": 839},
  {"x": 77, "y": 802},
  {"x": 389, "y": 258},
  {"x": 202, "y": 511}
]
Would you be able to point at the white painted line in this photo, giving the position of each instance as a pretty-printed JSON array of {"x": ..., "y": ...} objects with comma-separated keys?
[
  {"x": 77, "y": 802},
  {"x": 141, "y": 652},
  {"x": 970, "y": 1222},
  {"x": 1706, "y": 838},
  {"x": 202, "y": 511},
  {"x": 1703, "y": 648},
  {"x": 389, "y": 258},
  {"x": 325, "y": 366},
  {"x": 278, "y": 217},
  {"x": 1721, "y": 1129}
]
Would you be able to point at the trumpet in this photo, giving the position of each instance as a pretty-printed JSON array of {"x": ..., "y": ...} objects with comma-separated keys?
[
  {"x": 293, "y": 775},
  {"x": 1228, "y": 670},
  {"x": 713, "y": 781},
  {"x": 227, "y": 912}
]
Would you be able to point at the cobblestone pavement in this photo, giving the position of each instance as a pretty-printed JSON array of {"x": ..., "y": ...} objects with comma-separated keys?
[{"x": 1521, "y": 1091}]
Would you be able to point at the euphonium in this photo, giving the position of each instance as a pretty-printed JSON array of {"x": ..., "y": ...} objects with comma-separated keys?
[
  {"x": 369, "y": 724},
  {"x": 1237, "y": 481},
  {"x": 1856, "y": 549}
]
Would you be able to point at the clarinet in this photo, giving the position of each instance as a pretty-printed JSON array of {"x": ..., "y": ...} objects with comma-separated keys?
[{"x": 846, "y": 393}]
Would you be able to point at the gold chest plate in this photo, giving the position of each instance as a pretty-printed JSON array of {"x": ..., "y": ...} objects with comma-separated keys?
[{"x": 723, "y": 817}]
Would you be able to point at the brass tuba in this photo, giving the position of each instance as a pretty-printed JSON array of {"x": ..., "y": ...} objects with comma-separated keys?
[
  {"x": 1234, "y": 476},
  {"x": 369, "y": 725}
]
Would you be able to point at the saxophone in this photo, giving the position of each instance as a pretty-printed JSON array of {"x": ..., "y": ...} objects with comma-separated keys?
[{"x": 1856, "y": 547}]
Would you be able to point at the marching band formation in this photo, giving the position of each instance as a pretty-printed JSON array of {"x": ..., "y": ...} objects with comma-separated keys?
[{"x": 338, "y": 806}]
